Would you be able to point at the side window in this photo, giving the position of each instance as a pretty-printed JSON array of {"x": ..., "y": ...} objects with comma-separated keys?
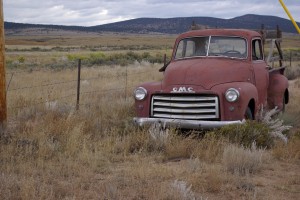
[
  {"x": 257, "y": 50},
  {"x": 185, "y": 48},
  {"x": 179, "y": 52}
]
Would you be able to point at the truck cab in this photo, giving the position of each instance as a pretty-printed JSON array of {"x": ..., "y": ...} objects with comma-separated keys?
[{"x": 215, "y": 77}]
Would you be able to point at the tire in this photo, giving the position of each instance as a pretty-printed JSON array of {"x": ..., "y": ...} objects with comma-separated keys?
[
  {"x": 248, "y": 114},
  {"x": 283, "y": 104}
]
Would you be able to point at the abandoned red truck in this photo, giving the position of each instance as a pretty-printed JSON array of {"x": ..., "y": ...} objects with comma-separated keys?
[{"x": 215, "y": 77}]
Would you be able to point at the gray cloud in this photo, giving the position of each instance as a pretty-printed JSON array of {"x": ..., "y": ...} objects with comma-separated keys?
[{"x": 95, "y": 12}]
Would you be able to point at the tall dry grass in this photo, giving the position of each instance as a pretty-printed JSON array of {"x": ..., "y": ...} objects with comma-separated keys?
[
  {"x": 240, "y": 160},
  {"x": 51, "y": 151}
]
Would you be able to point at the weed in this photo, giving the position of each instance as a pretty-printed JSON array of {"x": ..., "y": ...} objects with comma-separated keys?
[
  {"x": 292, "y": 72},
  {"x": 290, "y": 151},
  {"x": 195, "y": 165},
  {"x": 183, "y": 190},
  {"x": 276, "y": 126},
  {"x": 241, "y": 160},
  {"x": 179, "y": 147},
  {"x": 159, "y": 135}
]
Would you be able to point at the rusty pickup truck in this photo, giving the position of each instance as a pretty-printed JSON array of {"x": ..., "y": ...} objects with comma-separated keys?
[{"x": 215, "y": 77}]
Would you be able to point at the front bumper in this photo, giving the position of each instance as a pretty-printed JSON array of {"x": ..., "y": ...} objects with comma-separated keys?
[{"x": 187, "y": 124}]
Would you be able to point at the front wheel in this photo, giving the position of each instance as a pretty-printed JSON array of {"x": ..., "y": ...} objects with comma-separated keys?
[
  {"x": 283, "y": 105},
  {"x": 248, "y": 114}
]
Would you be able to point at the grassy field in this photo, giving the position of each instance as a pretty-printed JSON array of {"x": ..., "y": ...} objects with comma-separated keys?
[{"x": 50, "y": 150}]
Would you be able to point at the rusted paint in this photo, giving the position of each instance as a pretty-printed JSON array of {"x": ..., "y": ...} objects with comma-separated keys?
[
  {"x": 205, "y": 72},
  {"x": 247, "y": 92},
  {"x": 278, "y": 84}
]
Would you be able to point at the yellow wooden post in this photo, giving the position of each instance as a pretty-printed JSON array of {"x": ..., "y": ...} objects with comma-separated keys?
[{"x": 3, "y": 108}]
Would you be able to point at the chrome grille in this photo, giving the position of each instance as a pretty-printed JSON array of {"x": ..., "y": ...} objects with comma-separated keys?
[{"x": 185, "y": 107}]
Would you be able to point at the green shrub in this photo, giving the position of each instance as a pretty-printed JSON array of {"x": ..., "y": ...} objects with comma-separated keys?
[
  {"x": 21, "y": 59},
  {"x": 10, "y": 63},
  {"x": 122, "y": 59},
  {"x": 36, "y": 49},
  {"x": 74, "y": 57},
  {"x": 247, "y": 134}
]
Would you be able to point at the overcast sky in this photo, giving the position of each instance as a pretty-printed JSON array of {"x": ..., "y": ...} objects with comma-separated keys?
[{"x": 96, "y": 12}]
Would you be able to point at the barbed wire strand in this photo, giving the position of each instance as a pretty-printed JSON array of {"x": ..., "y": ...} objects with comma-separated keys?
[
  {"x": 42, "y": 102},
  {"x": 34, "y": 70},
  {"x": 64, "y": 82},
  {"x": 28, "y": 71},
  {"x": 73, "y": 94},
  {"x": 114, "y": 76},
  {"x": 45, "y": 85},
  {"x": 100, "y": 91}
]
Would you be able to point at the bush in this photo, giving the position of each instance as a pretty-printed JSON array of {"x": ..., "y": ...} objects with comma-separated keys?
[
  {"x": 122, "y": 59},
  {"x": 74, "y": 57},
  {"x": 247, "y": 134},
  {"x": 21, "y": 59},
  {"x": 11, "y": 64}
]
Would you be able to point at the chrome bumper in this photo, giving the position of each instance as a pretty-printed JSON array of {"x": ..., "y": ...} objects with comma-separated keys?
[{"x": 188, "y": 124}]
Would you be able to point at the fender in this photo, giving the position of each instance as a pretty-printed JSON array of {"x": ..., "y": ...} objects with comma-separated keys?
[
  {"x": 143, "y": 107},
  {"x": 278, "y": 84},
  {"x": 236, "y": 110}
]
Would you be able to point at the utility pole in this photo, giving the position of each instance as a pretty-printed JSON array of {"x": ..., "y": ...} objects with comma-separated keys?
[{"x": 3, "y": 108}]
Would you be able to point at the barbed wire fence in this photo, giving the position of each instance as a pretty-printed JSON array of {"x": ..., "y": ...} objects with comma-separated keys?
[
  {"x": 75, "y": 87},
  {"x": 76, "y": 82},
  {"x": 291, "y": 59}
]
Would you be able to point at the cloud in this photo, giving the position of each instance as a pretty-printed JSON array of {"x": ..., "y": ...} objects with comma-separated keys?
[{"x": 95, "y": 12}]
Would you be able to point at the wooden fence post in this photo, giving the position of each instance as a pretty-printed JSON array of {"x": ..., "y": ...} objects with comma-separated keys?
[
  {"x": 78, "y": 84},
  {"x": 3, "y": 107},
  {"x": 290, "y": 58},
  {"x": 126, "y": 83}
]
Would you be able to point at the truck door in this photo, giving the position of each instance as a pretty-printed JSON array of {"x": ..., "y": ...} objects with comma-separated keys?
[{"x": 261, "y": 72}]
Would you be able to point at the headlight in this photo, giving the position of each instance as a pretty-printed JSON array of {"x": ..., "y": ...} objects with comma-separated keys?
[
  {"x": 140, "y": 93},
  {"x": 232, "y": 95}
]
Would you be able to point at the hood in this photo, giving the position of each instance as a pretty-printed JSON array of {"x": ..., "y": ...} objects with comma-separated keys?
[{"x": 206, "y": 72}]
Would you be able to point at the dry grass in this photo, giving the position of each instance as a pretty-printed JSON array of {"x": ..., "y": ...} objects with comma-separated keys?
[
  {"x": 56, "y": 152},
  {"x": 288, "y": 152},
  {"x": 51, "y": 151},
  {"x": 291, "y": 42},
  {"x": 239, "y": 160},
  {"x": 82, "y": 39}
]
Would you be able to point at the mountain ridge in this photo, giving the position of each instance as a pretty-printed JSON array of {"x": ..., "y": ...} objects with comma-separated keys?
[{"x": 172, "y": 25}]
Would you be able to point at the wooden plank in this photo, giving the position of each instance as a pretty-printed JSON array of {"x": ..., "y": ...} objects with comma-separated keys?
[{"x": 271, "y": 50}]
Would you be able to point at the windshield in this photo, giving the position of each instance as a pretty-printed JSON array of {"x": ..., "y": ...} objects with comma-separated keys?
[{"x": 233, "y": 47}]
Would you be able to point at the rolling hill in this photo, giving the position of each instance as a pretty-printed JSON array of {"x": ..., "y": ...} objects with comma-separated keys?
[{"x": 171, "y": 25}]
